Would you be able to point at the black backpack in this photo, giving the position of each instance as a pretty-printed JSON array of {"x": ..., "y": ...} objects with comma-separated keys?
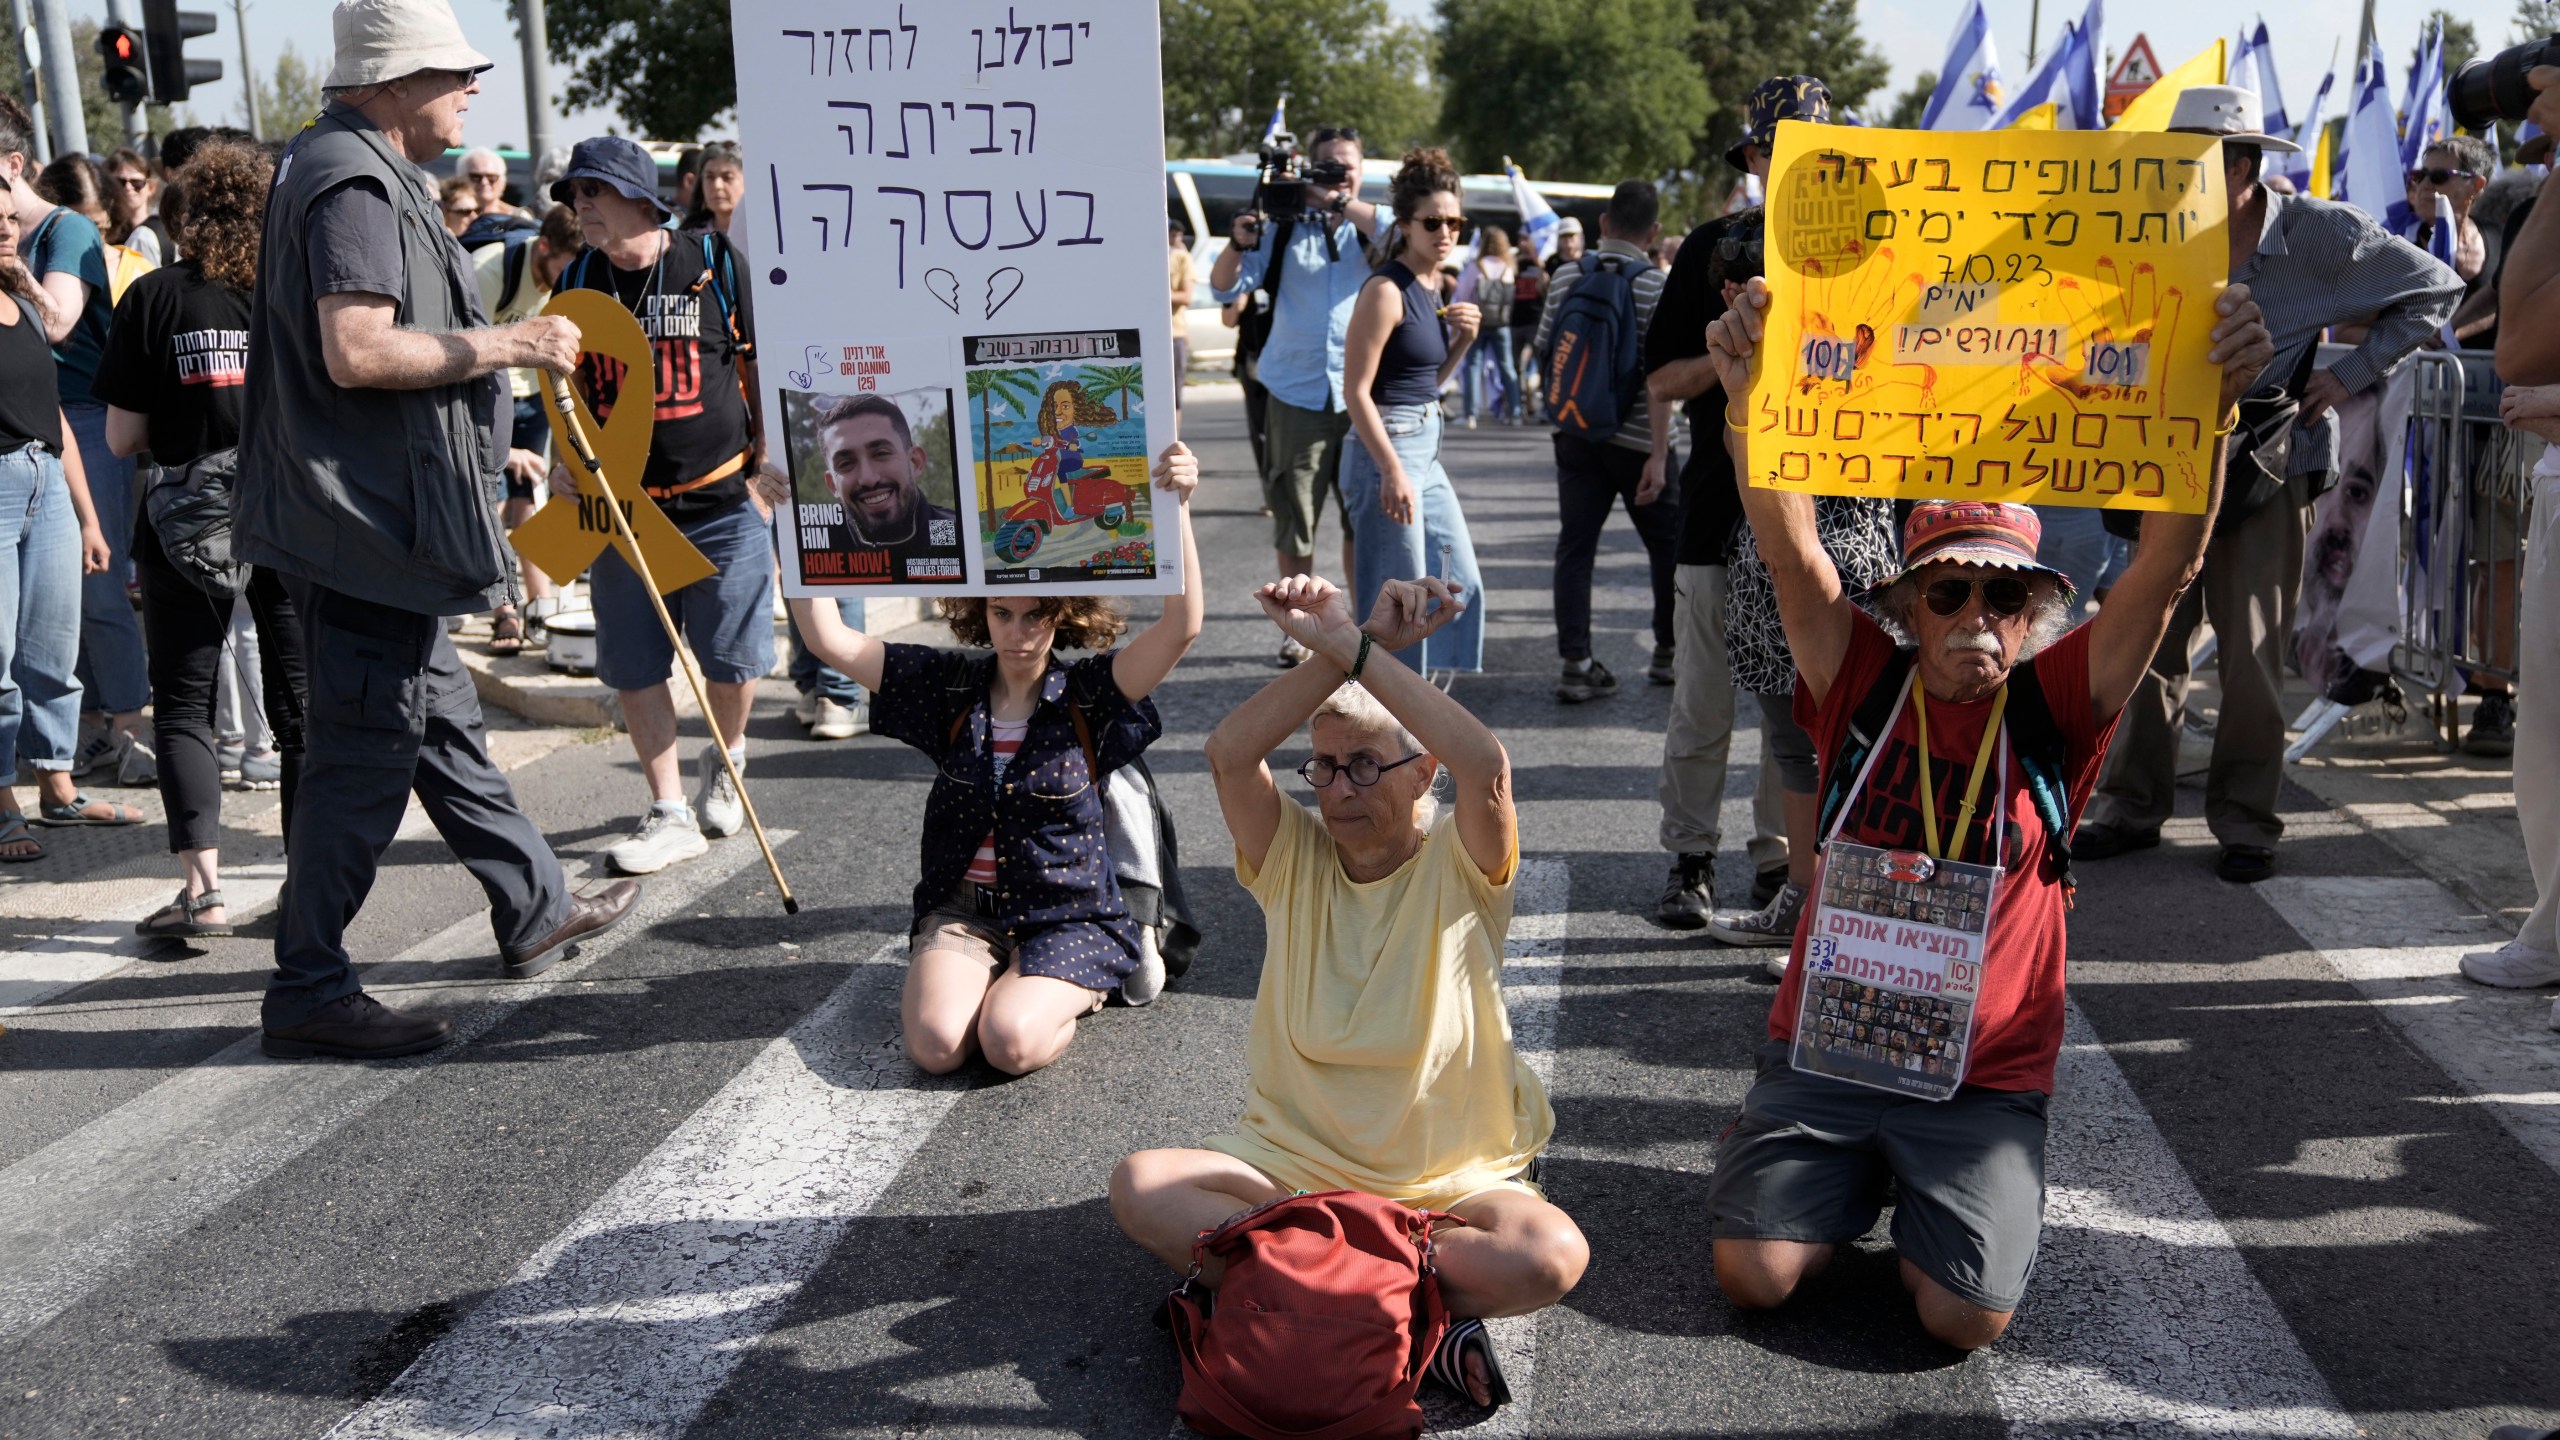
[
  {"x": 189, "y": 507},
  {"x": 2044, "y": 756},
  {"x": 1595, "y": 371}
]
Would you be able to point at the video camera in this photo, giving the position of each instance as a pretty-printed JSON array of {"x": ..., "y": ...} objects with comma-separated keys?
[
  {"x": 1280, "y": 192},
  {"x": 1742, "y": 253},
  {"x": 2487, "y": 91}
]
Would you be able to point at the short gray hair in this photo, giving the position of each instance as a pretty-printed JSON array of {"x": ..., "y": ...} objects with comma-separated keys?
[
  {"x": 2048, "y": 612},
  {"x": 463, "y": 163},
  {"x": 1353, "y": 705}
]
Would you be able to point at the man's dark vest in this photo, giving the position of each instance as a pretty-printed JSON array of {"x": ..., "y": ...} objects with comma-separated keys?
[{"x": 379, "y": 494}]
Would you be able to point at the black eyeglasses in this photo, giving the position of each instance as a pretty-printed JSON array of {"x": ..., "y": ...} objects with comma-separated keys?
[
  {"x": 2005, "y": 594},
  {"x": 2439, "y": 176},
  {"x": 1362, "y": 770},
  {"x": 1454, "y": 224}
]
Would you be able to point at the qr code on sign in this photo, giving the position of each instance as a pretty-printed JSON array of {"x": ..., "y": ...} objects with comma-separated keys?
[{"x": 942, "y": 532}]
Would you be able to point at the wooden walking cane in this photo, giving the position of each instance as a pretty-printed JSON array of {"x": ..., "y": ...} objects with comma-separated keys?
[{"x": 577, "y": 437}]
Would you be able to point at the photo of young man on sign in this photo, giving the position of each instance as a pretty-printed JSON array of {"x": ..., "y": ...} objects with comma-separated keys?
[{"x": 875, "y": 487}]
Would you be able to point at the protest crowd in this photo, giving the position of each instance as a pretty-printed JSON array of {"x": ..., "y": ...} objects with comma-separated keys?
[{"x": 270, "y": 411}]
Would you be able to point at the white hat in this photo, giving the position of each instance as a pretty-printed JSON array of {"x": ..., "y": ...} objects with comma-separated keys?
[
  {"x": 381, "y": 40},
  {"x": 1569, "y": 226},
  {"x": 2227, "y": 111}
]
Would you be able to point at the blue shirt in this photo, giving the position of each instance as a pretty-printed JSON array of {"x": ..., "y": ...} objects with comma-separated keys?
[
  {"x": 1302, "y": 361},
  {"x": 69, "y": 241},
  {"x": 1053, "y": 855}
]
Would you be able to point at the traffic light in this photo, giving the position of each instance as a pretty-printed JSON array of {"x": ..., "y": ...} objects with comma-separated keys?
[
  {"x": 126, "y": 81},
  {"x": 169, "y": 28}
]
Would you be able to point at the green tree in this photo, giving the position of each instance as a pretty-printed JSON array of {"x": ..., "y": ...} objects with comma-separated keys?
[
  {"x": 289, "y": 96},
  {"x": 987, "y": 387},
  {"x": 665, "y": 66},
  {"x": 2461, "y": 41},
  {"x": 1597, "y": 91},
  {"x": 1340, "y": 62},
  {"x": 1911, "y": 104},
  {"x": 2537, "y": 19},
  {"x": 1117, "y": 383},
  {"x": 1739, "y": 43}
]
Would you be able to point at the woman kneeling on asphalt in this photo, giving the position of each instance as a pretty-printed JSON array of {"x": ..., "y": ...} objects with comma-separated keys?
[
  {"x": 1380, "y": 1053},
  {"x": 1019, "y": 929}
]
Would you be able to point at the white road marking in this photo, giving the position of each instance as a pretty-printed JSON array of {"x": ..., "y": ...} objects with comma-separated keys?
[
  {"x": 76, "y": 1212},
  {"x": 628, "y": 1322},
  {"x": 71, "y": 958},
  {"x": 2399, "y": 941},
  {"x": 2143, "y": 1319}
]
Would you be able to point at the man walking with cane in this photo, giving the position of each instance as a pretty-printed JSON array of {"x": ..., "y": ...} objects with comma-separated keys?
[{"x": 371, "y": 448}]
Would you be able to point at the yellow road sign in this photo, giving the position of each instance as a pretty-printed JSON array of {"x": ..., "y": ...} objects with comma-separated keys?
[{"x": 565, "y": 538}]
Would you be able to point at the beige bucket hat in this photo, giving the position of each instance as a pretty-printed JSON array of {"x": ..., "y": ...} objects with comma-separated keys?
[{"x": 381, "y": 40}]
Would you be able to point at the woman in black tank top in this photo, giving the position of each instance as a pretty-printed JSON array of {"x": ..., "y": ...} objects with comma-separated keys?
[{"x": 1402, "y": 348}]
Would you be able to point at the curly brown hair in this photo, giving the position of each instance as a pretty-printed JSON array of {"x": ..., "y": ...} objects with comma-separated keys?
[
  {"x": 226, "y": 207},
  {"x": 1424, "y": 173},
  {"x": 1089, "y": 411},
  {"x": 1084, "y": 622}
]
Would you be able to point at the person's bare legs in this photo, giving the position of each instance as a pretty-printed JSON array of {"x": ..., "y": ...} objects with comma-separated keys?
[
  {"x": 938, "y": 1009},
  {"x": 1952, "y": 1319},
  {"x": 1163, "y": 1199},
  {"x": 650, "y": 716},
  {"x": 1804, "y": 840},
  {"x": 1028, "y": 1021},
  {"x": 1763, "y": 1274},
  {"x": 537, "y": 586},
  {"x": 1289, "y": 564}
]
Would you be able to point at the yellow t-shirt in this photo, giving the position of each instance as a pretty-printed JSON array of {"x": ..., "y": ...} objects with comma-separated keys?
[{"x": 1381, "y": 1051}]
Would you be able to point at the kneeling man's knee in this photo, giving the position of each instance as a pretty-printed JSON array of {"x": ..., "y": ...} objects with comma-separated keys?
[{"x": 1762, "y": 1274}]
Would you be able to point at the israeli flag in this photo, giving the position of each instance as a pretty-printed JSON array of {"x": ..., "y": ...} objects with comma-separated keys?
[
  {"x": 2306, "y": 133},
  {"x": 2440, "y": 238},
  {"x": 2367, "y": 171},
  {"x": 2270, "y": 94},
  {"x": 2055, "y": 83},
  {"x": 2423, "y": 124},
  {"x": 1537, "y": 217},
  {"x": 1279, "y": 124},
  {"x": 2087, "y": 47},
  {"x": 1968, "y": 93}
]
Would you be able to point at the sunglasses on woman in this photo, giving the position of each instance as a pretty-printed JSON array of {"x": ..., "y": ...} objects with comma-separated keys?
[
  {"x": 1455, "y": 224},
  {"x": 2005, "y": 594},
  {"x": 1362, "y": 770},
  {"x": 2437, "y": 176}
]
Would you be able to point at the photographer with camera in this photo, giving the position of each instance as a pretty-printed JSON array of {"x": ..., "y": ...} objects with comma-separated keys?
[{"x": 1307, "y": 213}]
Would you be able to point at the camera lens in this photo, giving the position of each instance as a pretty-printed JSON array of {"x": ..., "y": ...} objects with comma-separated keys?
[{"x": 2485, "y": 92}]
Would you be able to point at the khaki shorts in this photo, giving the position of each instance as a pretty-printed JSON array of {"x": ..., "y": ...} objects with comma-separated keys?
[
  {"x": 954, "y": 924},
  {"x": 1305, "y": 468}
]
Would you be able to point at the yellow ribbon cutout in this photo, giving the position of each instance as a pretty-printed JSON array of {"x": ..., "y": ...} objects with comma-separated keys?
[{"x": 1973, "y": 786}]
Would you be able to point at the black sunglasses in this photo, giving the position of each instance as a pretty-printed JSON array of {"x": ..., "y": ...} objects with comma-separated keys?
[
  {"x": 2005, "y": 594},
  {"x": 1364, "y": 772},
  {"x": 2438, "y": 176},
  {"x": 1455, "y": 224}
]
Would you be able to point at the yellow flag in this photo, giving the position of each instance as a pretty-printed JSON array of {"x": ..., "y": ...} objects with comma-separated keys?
[
  {"x": 2151, "y": 109},
  {"x": 2321, "y": 161},
  {"x": 2039, "y": 118}
]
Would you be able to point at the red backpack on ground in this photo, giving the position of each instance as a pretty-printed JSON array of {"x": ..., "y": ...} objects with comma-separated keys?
[{"x": 1329, "y": 1313}]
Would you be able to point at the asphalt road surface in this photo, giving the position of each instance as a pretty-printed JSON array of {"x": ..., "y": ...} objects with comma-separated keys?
[{"x": 2301, "y": 1181}]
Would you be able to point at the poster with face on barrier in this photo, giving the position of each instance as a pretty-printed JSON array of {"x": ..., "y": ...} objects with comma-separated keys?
[
  {"x": 956, "y": 218},
  {"x": 2010, "y": 315}
]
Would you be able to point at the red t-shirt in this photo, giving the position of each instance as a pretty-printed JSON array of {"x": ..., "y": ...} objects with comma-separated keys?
[{"x": 2018, "y": 1020}]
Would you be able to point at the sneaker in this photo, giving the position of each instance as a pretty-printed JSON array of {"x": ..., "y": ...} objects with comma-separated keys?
[
  {"x": 98, "y": 752},
  {"x": 1765, "y": 884},
  {"x": 1771, "y": 924},
  {"x": 1660, "y": 671},
  {"x": 1293, "y": 654},
  {"x": 806, "y": 712},
  {"x": 840, "y": 722},
  {"x": 137, "y": 763},
  {"x": 260, "y": 772},
  {"x": 1589, "y": 680},
  {"x": 1690, "y": 894},
  {"x": 2493, "y": 726},
  {"x": 1775, "y": 967},
  {"x": 664, "y": 837},
  {"x": 2512, "y": 966},
  {"x": 715, "y": 800},
  {"x": 228, "y": 755},
  {"x": 1146, "y": 982}
]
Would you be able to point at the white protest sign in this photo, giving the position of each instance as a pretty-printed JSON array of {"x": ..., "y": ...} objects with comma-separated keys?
[{"x": 957, "y": 215}]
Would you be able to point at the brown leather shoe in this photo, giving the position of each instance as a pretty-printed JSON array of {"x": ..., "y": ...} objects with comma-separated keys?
[
  {"x": 588, "y": 914},
  {"x": 355, "y": 1027}
]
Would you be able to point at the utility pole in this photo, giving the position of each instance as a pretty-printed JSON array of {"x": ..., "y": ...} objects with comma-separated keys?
[
  {"x": 2035, "y": 23},
  {"x": 61, "y": 78},
  {"x": 535, "y": 37},
  {"x": 248, "y": 71},
  {"x": 31, "y": 50}
]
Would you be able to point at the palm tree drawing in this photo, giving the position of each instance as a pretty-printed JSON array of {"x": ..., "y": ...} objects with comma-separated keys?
[
  {"x": 987, "y": 387},
  {"x": 1123, "y": 383}
]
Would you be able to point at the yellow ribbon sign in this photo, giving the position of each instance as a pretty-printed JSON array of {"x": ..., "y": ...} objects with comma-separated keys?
[
  {"x": 565, "y": 538},
  {"x": 2009, "y": 315}
]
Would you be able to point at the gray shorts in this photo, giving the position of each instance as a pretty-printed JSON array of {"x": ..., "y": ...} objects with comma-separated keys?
[
  {"x": 1305, "y": 467},
  {"x": 1809, "y": 1159}
]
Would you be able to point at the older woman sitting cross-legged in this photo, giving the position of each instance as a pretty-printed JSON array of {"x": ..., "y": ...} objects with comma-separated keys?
[{"x": 1381, "y": 1053}]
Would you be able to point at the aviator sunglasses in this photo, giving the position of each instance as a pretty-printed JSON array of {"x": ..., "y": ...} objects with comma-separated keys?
[{"x": 2005, "y": 594}]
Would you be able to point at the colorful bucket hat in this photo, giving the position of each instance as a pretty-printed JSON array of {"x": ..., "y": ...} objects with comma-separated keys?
[
  {"x": 1973, "y": 532},
  {"x": 1780, "y": 97}
]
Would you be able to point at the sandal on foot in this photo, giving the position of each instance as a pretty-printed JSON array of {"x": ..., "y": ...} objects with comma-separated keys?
[
  {"x": 177, "y": 919},
  {"x": 13, "y": 833},
  {"x": 1449, "y": 1363},
  {"x": 506, "y": 631},
  {"x": 76, "y": 812}
]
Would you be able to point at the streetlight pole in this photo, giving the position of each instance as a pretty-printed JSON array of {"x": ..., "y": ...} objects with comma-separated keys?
[
  {"x": 31, "y": 48},
  {"x": 61, "y": 79},
  {"x": 534, "y": 35},
  {"x": 248, "y": 71}
]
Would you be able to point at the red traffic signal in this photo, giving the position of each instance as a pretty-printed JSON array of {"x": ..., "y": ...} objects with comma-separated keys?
[{"x": 125, "y": 80}]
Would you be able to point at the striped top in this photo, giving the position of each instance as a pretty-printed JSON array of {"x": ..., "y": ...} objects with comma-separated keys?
[
  {"x": 1636, "y": 431},
  {"x": 1004, "y": 738}
]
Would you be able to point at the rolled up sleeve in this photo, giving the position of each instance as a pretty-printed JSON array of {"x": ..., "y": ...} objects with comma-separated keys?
[{"x": 2410, "y": 294}]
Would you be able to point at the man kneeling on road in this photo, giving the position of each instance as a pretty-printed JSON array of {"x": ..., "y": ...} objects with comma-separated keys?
[{"x": 1973, "y": 646}]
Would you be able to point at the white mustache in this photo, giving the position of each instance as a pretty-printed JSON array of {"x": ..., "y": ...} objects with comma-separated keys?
[{"x": 1960, "y": 641}]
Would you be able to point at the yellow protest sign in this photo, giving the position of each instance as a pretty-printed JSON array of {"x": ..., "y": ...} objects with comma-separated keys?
[
  {"x": 2007, "y": 315},
  {"x": 565, "y": 538}
]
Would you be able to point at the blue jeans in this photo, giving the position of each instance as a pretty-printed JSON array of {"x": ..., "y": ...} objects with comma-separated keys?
[
  {"x": 1492, "y": 351},
  {"x": 2075, "y": 543},
  {"x": 809, "y": 673},
  {"x": 726, "y": 618},
  {"x": 111, "y": 655},
  {"x": 1436, "y": 544},
  {"x": 39, "y": 611}
]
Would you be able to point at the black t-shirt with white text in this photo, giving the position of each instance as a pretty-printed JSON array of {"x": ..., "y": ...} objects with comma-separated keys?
[
  {"x": 178, "y": 354},
  {"x": 701, "y": 414}
]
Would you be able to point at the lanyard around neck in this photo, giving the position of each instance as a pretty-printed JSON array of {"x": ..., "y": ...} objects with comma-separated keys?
[{"x": 1973, "y": 785}]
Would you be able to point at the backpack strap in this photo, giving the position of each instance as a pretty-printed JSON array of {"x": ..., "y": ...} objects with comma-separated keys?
[
  {"x": 1866, "y": 732},
  {"x": 2044, "y": 754}
]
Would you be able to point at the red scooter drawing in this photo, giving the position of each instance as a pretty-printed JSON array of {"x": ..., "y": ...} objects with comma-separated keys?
[{"x": 1061, "y": 489}]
